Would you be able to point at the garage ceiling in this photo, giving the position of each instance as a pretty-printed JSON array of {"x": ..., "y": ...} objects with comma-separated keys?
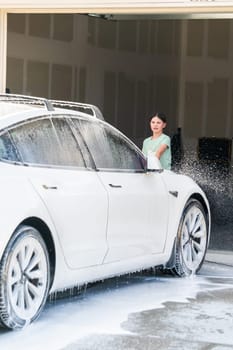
[{"x": 117, "y": 7}]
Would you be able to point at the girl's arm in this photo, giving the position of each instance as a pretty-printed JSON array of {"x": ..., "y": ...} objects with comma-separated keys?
[{"x": 161, "y": 150}]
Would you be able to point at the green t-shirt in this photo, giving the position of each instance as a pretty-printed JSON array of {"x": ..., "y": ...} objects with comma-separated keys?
[{"x": 151, "y": 145}]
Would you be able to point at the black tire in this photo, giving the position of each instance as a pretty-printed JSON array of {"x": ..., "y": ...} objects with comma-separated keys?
[
  {"x": 24, "y": 278},
  {"x": 192, "y": 239}
]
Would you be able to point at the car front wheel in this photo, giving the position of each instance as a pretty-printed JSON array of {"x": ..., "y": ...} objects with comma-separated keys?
[
  {"x": 192, "y": 238},
  {"x": 24, "y": 278}
]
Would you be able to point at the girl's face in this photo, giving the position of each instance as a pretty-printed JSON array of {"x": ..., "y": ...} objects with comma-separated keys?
[{"x": 157, "y": 125}]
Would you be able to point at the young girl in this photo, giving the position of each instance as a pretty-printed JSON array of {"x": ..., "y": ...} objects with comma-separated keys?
[{"x": 158, "y": 143}]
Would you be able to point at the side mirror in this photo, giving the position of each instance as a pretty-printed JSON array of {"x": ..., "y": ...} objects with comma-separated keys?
[{"x": 153, "y": 163}]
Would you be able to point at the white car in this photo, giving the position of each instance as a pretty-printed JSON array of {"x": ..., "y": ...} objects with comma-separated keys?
[{"x": 79, "y": 204}]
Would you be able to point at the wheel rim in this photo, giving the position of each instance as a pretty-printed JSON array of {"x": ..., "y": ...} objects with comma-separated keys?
[
  {"x": 27, "y": 277},
  {"x": 193, "y": 238}
]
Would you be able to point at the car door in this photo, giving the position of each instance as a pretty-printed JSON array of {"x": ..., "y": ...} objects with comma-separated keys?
[
  {"x": 138, "y": 202},
  {"x": 72, "y": 192}
]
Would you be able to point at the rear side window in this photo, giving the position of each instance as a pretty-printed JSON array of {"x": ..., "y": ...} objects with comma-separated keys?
[
  {"x": 42, "y": 142},
  {"x": 37, "y": 142},
  {"x": 7, "y": 149}
]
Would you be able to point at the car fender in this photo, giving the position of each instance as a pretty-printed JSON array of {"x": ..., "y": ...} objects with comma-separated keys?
[{"x": 180, "y": 189}]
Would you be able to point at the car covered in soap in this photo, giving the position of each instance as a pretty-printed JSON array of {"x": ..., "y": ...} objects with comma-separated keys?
[{"x": 79, "y": 203}]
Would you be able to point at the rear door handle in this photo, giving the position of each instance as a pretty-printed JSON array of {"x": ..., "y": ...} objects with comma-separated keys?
[
  {"x": 46, "y": 187},
  {"x": 115, "y": 186}
]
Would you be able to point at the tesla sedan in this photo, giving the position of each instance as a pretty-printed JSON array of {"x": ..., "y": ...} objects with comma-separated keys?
[{"x": 80, "y": 203}]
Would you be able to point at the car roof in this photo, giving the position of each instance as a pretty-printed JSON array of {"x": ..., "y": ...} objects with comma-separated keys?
[{"x": 16, "y": 108}]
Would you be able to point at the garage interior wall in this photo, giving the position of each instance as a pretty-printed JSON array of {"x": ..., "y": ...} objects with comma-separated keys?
[{"x": 130, "y": 69}]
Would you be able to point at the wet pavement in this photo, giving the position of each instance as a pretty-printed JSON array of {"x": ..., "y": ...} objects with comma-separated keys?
[
  {"x": 189, "y": 326},
  {"x": 143, "y": 311},
  {"x": 202, "y": 322},
  {"x": 199, "y": 323}
]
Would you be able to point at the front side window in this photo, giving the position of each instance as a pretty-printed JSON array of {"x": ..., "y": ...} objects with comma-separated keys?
[
  {"x": 110, "y": 150},
  {"x": 70, "y": 153},
  {"x": 96, "y": 140},
  {"x": 124, "y": 154}
]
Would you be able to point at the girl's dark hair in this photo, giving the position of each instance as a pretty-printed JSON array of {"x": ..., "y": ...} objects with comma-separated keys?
[{"x": 160, "y": 115}]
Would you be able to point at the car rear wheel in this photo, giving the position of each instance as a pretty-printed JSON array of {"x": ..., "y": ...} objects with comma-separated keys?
[
  {"x": 192, "y": 238},
  {"x": 24, "y": 278}
]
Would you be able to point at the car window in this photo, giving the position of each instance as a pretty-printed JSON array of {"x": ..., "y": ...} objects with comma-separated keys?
[
  {"x": 96, "y": 140},
  {"x": 70, "y": 154},
  {"x": 124, "y": 154},
  {"x": 7, "y": 149},
  {"x": 108, "y": 147},
  {"x": 43, "y": 142},
  {"x": 37, "y": 142}
]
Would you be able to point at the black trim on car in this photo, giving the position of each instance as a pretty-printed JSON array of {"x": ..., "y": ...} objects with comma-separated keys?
[{"x": 111, "y": 170}]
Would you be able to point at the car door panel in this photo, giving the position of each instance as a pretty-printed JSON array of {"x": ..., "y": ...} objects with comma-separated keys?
[
  {"x": 78, "y": 204},
  {"x": 138, "y": 212}
]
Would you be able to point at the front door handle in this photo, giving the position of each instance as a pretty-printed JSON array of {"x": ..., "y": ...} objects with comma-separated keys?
[{"x": 115, "y": 186}]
